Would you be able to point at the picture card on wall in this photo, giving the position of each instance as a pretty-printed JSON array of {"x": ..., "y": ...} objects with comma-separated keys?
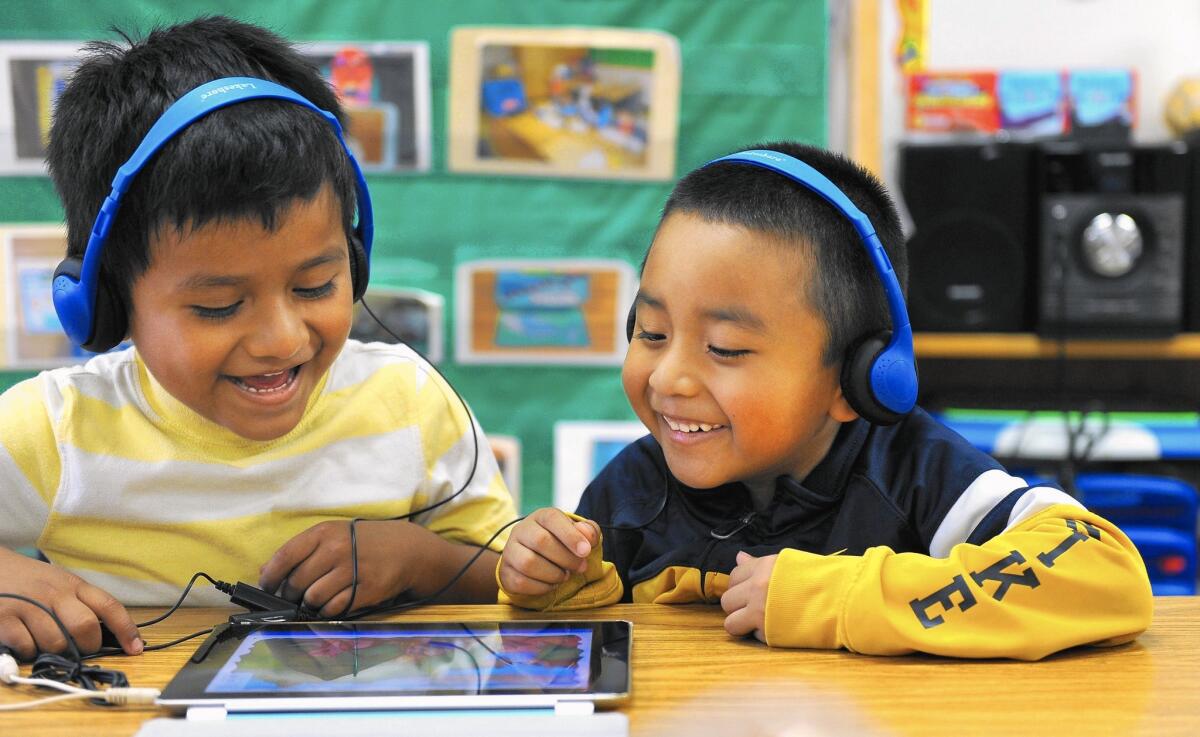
[
  {"x": 33, "y": 337},
  {"x": 384, "y": 90},
  {"x": 507, "y": 450},
  {"x": 32, "y": 76},
  {"x": 582, "y": 448},
  {"x": 599, "y": 103},
  {"x": 537, "y": 311},
  {"x": 412, "y": 315}
]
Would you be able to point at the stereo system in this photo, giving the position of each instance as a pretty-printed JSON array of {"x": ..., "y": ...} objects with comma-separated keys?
[{"x": 1062, "y": 239}]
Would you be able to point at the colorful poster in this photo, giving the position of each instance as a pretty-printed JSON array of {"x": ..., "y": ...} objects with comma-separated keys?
[
  {"x": 945, "y": 102},
  {"x": 1032, "y": 103}
]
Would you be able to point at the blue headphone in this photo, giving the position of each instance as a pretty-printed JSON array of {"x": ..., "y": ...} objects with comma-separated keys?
[
  {"x": 90, "y": 313},
  {"x": 879, "y": 374}
]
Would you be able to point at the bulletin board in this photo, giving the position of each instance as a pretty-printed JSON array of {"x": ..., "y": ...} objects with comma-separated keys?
[{"x": 750, "y": 72}]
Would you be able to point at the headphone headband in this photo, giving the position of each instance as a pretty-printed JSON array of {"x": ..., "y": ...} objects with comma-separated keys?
[
  {"x": 893, "y": 378},
  {"x": 75, "y": 296}
]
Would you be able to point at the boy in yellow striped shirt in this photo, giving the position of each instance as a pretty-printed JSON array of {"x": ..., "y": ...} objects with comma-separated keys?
[{"x": 242, "y": 431}]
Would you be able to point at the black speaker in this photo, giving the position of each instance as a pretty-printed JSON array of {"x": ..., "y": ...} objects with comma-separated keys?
[
  {"x": 972, "y": 253},
  {"x": 1112, "y": 240},
  {"x": 1191, "y": 286}
]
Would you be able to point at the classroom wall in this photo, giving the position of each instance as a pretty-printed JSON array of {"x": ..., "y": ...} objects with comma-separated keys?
[{"x": 752, "y": 71}]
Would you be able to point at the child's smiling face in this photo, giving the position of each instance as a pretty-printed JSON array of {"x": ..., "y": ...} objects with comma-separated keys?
[
  {"x": 725, "y": 367},
  {"x": 240, "y": 323}
]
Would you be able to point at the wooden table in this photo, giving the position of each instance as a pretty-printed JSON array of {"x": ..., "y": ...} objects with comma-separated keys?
[{"x": 690, "y": 678}]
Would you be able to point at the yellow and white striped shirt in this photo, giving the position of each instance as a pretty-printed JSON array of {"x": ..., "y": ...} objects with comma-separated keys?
[{"x": 115, "y": 480}]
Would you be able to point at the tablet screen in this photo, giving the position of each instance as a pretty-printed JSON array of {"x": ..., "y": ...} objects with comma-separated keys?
[
  {"x": 449, "y": 659},
  {"x": 373, "y": 659}
]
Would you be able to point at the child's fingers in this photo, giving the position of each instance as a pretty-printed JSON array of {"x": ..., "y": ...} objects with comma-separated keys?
[
  {"x": 555, "y": 536},
  {"x": 103, "y": 605},
  {"x": 740, "y": 622},
  {"x": 291, "y": 554},
  {"x": 735, "y": 597},
  {"x": 322, "y": 562},
  {"x": 740, "y": 573},
  {"x": 589, "y": 530},
  {"x": 337, "y": 604},
  {"x": 82, "y": 622},
  {"x": 47, "y": 637},
  {"x": 320, "y": 593},
  {"x": 532, "y": 565},
  {"x": 515, "y": 582},
  {"x": 16, "y": 635}
]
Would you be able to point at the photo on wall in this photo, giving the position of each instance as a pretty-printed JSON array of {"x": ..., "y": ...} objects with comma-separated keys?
[
  {"x": 32, "y": 76},
  {"x": 541, "y": 311},
  {"x": 33, "y": 335},
  {"x": 582, "y": 448},
  {"x": 384, "y": 90},
  {"x": 573, "y": 102},
  {"x": 412, "y": 315}
]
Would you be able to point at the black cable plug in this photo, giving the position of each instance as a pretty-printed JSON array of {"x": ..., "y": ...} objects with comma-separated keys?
[{"x": 254, "y": 598}]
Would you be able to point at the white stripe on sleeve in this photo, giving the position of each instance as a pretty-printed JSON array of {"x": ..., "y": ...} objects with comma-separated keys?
[{"x": 984, "y": 493}]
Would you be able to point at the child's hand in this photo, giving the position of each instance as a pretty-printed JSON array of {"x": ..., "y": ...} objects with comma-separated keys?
[
  {"x": 543, "y": 551},
  {"x": 745, "y": 601},
  {"x": 81, "y": 606},
  {"x": 316, "y": 566}
]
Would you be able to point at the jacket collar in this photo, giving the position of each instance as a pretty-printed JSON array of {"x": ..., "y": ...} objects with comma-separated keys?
[{"x": 795, "y": 501}]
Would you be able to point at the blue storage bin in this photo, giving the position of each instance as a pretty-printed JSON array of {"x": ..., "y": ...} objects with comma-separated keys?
[
  {"x": 1157, "y": 513},
  {"x": 1129, "y": 499},
  {"x": 1170, "y": 558}
]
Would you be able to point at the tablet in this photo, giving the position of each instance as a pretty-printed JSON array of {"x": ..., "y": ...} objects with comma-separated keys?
[{"x": 335, "y": 666}]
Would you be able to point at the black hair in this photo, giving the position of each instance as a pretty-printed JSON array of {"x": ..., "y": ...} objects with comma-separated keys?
[
  {"x": 844, "y": 287},
  {"x": 254, "y": 159}
]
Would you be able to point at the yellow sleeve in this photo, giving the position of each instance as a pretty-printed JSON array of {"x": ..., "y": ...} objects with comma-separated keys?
[
  {"x": 27, "y": 437},
  {"x": 1061, "y": 578},
  {"x": 598, "y": 586},
  {"x": 485, "y": 505}
]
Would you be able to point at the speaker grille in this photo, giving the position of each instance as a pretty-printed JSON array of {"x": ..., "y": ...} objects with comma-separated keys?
[{"x": 969, "y": 254}]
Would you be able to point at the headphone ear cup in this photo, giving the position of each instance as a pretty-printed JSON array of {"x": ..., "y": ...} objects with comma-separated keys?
[
  {"x": 856, "y": 379},
  {"x": 104, "y": 322},
  {"x": 359, "y": 268},
  {"x": 630, "y": 322},
  {"x": 110, "y": 321}
]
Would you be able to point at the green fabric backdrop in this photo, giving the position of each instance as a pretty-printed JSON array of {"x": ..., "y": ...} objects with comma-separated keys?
[{"x": 752, "y": 70}]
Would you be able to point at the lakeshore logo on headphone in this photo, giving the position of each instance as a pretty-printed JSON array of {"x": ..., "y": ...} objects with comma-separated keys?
[
  {"x": 91, "y": 315},
  {"x": 879, "y": 371}
]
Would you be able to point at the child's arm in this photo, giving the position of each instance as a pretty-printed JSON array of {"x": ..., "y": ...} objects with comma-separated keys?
[
  {"x": 1060, "y": 578},
  {"x": 80, "y": 606},
  {"x": 553, "y": 560},
  {"x": 29, "y": 478}
]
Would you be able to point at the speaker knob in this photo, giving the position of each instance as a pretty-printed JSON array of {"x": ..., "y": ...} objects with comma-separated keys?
[{"x": 1111, "y": 245}]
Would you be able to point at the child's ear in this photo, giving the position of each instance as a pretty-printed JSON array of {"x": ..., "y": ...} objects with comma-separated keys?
[{"x": 840, "y": 409}]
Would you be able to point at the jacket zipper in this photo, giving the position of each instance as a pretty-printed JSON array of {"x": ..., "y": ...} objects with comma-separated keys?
[{"x": 742, "y": 524}]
